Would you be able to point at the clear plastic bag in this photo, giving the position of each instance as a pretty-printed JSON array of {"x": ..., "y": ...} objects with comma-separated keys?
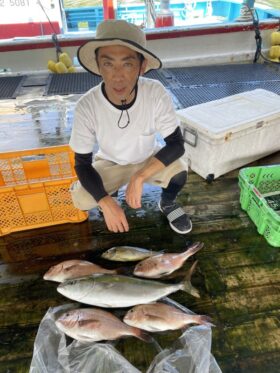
[
  {"x": 190, "y": 353},
  {"x": 52, "y": 354}
]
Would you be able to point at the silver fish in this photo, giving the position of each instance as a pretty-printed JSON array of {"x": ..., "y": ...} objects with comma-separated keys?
[
  {"x": 127, "y": 253},
  {"x": 164, "y": 264},
  {"x": 92, "y": 324},
  {"x": 158, "y": 317},
  {"x": 104, "y": 290},
  {"x": 74, "y": 268}
]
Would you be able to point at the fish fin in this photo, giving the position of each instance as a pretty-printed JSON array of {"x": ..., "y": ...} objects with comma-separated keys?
[
  {"x": 186, "y": 284},
  {"x": 151, "y": 316},
  {"x": 205, "y": 320},
  {"x": 76, "y": 265},
  {"x": 155, "y": 253},
  {"x": 84, "y": 339},
  {"x": 156, "y": 345},
  {"x": 191, "y": 270},
  {"x": 70, "y": 268},
  {"x": 89, "y": 323},
  {"x": 166, "y": 273},
  {"x": 185, "y": 327},
  {"x": 159, "y": 275},
  {"x": 144, "y": 336}
]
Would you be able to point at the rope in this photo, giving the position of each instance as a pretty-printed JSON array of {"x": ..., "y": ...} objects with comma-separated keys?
[
  {"x": 258, "y": 37},
  {"x": 54, "y": 35},
  {"x": 57, "y": 47}
]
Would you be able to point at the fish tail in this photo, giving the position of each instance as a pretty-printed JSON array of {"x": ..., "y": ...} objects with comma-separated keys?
[
  {"x": 194, "y": 248},
  {"x": 144, "y": 336},
  {"x": 186, "y": 284},
  {"x": 204, "y": 320}
]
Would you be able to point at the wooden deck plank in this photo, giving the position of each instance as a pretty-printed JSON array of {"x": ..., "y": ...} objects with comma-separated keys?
[{"x": 237, "y": 273}]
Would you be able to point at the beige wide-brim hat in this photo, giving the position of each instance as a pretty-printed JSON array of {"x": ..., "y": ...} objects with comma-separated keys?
[{"x": 116, "y": 32}]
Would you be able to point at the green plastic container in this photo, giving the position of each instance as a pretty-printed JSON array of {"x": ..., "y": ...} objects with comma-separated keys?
[{"x": 259, "y": 197}]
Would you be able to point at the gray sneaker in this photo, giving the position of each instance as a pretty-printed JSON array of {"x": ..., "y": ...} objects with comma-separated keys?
[{"x": 179, "y": 221}]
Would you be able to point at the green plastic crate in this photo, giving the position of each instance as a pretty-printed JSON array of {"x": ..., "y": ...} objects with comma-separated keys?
[{"x": 256, "y": 184}]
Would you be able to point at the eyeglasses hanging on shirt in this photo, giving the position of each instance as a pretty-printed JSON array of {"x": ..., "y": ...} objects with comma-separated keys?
[{"x": 124, "y": 119}]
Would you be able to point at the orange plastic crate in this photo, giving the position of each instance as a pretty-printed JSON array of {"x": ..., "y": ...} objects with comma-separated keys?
[{"x": 34, "y": 189}]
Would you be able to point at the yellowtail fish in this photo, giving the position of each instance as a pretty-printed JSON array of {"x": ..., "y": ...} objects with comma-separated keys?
[
  {"x": 74, "y": 268},
  {"x": 92, "y": 325},
  {"x": 103, "y": 290},
  {"x": 158, "y": 317},
  {"x": 127, "y": 253},
  {"x": 164, "y": 264}
]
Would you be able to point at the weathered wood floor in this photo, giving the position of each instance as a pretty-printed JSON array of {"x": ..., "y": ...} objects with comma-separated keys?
[{"x": 238, "y": 272}]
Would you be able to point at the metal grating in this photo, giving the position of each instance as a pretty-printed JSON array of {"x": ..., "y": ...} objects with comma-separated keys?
[
  {"x": 190, "y": 85},
  {"x": 189, "y": 96},
  {"x": 64, "y": 84},
  {"x": 9, "y": 86},
  {"x": 201, "y": 75}
]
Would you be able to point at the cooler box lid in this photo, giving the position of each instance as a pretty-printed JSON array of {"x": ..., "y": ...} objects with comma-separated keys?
[{"x": 233, "y": 113}]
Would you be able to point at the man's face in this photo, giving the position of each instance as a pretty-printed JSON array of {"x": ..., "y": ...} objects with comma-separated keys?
[{"x": 119, "y": 67}]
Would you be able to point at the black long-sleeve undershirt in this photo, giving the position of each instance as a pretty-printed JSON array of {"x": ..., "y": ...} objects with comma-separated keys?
[
  {"x": 91, "y": 180},
  {"x": 88, "y": 176},
  {"x": 173, "y": 149}
]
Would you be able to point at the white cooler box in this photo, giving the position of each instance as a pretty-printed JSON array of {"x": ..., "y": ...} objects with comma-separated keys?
[{"x": 225, "y": 134}]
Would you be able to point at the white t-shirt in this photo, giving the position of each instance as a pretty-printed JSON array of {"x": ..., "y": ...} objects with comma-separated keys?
[{"x": 96, "y": 122}]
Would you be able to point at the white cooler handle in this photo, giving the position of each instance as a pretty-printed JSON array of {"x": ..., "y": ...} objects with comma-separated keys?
[{"x": 190, "y": 136}]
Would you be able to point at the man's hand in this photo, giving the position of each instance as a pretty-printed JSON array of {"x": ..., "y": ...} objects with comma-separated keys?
[
  {"x": 133, "y": 195},
  {"x": 135, "y": 186},
  {"x": 114, "y": 215}
]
